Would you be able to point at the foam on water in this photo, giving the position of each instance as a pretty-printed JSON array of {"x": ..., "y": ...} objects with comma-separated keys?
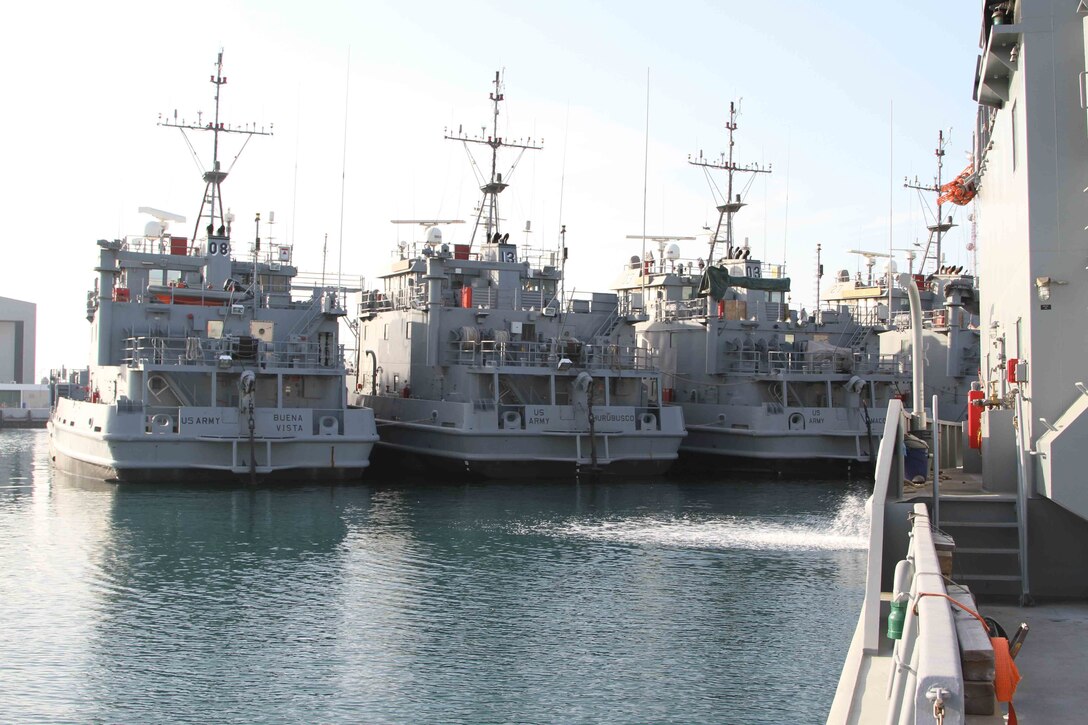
[{"x": 846, "y": 528}]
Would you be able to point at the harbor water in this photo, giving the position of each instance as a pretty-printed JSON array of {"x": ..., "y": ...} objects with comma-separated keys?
[{"x": 670, "y": 600}]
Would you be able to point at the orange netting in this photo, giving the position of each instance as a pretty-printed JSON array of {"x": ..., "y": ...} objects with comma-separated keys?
[{"x": 960, "y": 190}]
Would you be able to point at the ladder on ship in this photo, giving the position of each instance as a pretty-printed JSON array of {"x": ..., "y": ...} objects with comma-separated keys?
[
  {"x": 857, "y": 336},
  {"x": 986, "y": 529},
  {"x": 989, "y": 528}
]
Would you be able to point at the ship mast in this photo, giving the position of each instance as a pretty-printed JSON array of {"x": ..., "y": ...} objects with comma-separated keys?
[
  {"x": 213, "y": 179},
  {"x": 732, "y": 204},
  {"x": 494, "y": 185},
  {"x": 939, "y": 227}
]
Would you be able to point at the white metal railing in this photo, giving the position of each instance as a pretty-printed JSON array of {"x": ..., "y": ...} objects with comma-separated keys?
[
  {"x": 199, "y": 351},
  {"x": 814, "y": 363},
  {"x": 952, "y": 438},
  {"x": 926, "y": 659},
  {"x": 414, "y": 297},
  {"x": 583, "y": 356},
  {"x": 889, "y": 468},
  {"x": 696, "y": 265},
  {"x": 680, "y": 309}
]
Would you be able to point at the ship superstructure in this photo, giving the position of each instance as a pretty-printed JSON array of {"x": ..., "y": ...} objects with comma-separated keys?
[
  {"x": 756, "y": 379},
  {"x": 473, "y": 360},
  {"x": 205, "y": 365}
]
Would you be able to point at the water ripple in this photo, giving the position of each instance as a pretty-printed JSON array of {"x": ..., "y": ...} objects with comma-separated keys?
[
  {"x": 847, "y": 530},
  {"x": 389, "y": 603}
]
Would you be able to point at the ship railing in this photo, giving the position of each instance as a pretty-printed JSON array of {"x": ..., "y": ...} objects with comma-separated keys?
[
  {"x": 929, "y": 641},
  {"x": 158, "y": 245},
  {"x": 536, "y": 258},
  {"x": 937, "y": 318},
  {"x": 581, "y": 356},
  {"x": 866, "y": 317},
  {"x": 374, "y": 301},
  {"x": 952, "y": 439},
  {"x": 680, "y": 309},
  {"x": 323, "y": 301},
  {"x": 542, "y": 259},
  {"x": 809, "y": 363},
  {"x": 591, "y": 302},
  {"x": 210, "y": 352},
  {"x": 695, "y": 266},
  {"x": 539, "y": 299},
  {"x": 812, "y": 363},
  {"x": 308, "y": 281},
  {"x": 881, "y": 363}
]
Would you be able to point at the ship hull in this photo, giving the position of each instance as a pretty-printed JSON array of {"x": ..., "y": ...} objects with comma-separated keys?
[
  {"x": 83, "y": 442},
  {"x": 773, "y": 435},
  {"x": 458, "y": 439}
]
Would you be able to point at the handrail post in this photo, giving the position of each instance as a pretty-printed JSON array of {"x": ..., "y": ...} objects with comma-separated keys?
[
  {"x": 936, "y": 465},
  {"x": 1022, "y": 493}
]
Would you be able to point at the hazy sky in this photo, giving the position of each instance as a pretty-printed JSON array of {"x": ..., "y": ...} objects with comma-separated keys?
[{"x": 827, "y": 86}]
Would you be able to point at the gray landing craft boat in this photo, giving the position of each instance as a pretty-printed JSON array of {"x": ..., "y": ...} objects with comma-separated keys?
[
  {"x": 473, "y": 359},
  {"x": 949, "y": 297},
  {"x": 207, "y": 367},
  {"x": 756, "y": 379}
]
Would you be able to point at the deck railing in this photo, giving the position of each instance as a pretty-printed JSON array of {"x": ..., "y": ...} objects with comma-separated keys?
[
  {"x": 581, "y": 356},
  {"x": 773, "y": 362},
  {"x": 209, "y": 352}
]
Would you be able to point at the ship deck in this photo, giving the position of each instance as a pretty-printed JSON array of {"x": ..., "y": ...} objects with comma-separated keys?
[
  {"x": 1054, "y": 657},
  {"x": 1053, "y": 661}
]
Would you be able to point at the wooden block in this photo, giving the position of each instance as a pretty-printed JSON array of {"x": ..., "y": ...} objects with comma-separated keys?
[
  {"x": 944, "y": 558},
  {"x": 978, "y": 698},
  {"x": 976, "y": 653},
  {"x": 943, "y": 542}
]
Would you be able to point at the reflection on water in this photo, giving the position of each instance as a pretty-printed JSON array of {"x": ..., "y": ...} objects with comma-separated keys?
[{"x": 666, "y": 601}]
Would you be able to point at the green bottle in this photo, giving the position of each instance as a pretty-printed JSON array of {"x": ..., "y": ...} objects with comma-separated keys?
[{"x": 896, "y": 617}]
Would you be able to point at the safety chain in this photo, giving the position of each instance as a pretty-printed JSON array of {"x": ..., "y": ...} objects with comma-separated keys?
[{"x": 936, "y": 695}]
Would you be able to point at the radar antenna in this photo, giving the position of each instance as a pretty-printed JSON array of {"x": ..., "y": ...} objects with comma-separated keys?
[
  {"x": 213, "y": 179},
  {"x": 493, "y": 185},
  {"x": 661, "y": 240},
  {"x": 725, "y": 163},
  {"x": 870, "y": 262}
]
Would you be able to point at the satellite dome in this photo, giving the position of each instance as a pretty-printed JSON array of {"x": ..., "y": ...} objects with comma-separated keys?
[
  {"x": 434, "y": 236},
  {"x": 155, "y": 228},
  {"x": 672, "y": 253}
]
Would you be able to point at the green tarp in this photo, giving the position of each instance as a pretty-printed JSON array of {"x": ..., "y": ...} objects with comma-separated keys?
[{"x": 717, "y": 281}]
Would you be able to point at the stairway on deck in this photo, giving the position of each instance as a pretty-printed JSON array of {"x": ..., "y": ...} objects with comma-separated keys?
[{"x": 986, "y": 531}]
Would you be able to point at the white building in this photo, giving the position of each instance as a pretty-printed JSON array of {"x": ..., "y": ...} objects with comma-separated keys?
[{"x": 17, "y": 340}]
